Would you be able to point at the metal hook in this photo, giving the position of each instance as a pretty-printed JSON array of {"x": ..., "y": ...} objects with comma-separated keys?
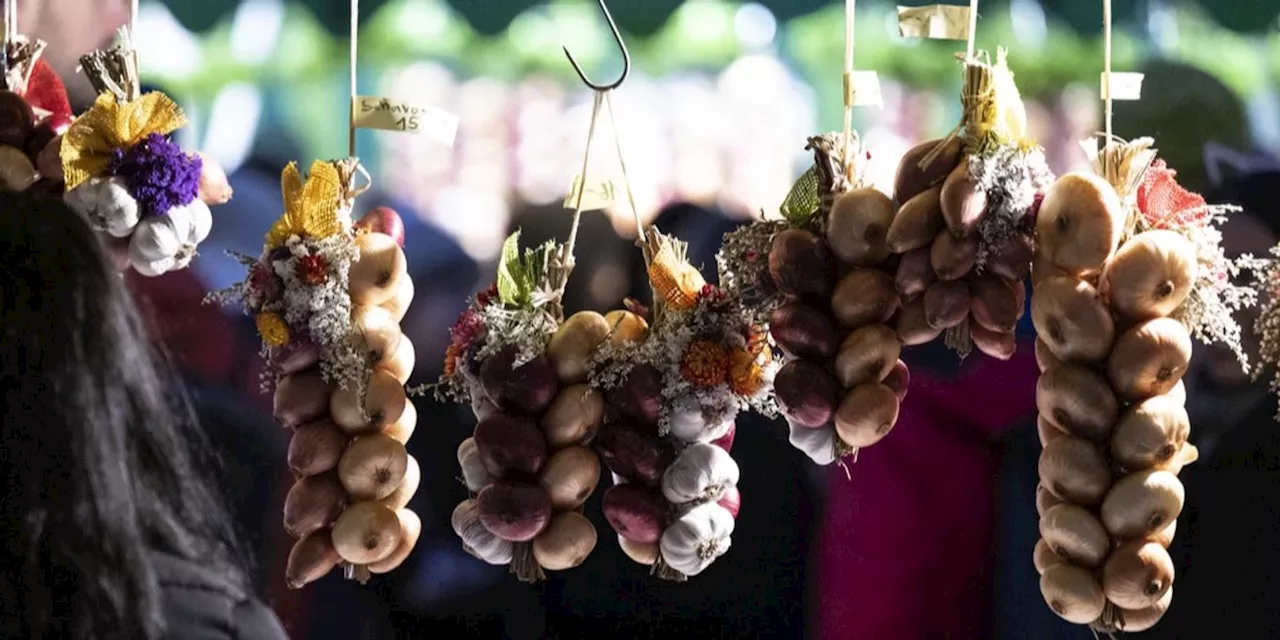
[{"x": 626, "y": 57}]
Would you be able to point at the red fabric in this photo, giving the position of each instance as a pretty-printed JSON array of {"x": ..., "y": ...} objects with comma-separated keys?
[
  {"x": 46, "y": 91},
  {"x": 1165, "y": 204},
  {"x": 906, "y": 546}
]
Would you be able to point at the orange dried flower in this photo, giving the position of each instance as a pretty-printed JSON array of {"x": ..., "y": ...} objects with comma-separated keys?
[
  {"x": 450, "y": 360},
  {"x": 745, "y": 375},
  {"x": 705, "y": 363}
]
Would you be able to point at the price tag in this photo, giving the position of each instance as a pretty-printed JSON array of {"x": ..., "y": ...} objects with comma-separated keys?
[
  {"x": 385, "y": 114},
  {"x": 862, "y": 89},
  {"x": 599, "y": 194},
  {"x": 1123, "y": 86},
  {"x": 935, "y": 22}
]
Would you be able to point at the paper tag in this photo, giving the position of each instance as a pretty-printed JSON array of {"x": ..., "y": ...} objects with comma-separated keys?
[
  {"x": 1123, "y": 86},
  {"x": 599, "y": 194},
  {"x": 935, "y": 22},
  {"x": 370, "y": 112},
  {"x": 862, "y": 89}
]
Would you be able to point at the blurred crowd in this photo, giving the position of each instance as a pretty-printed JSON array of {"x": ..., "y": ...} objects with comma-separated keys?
[{"x": 928, "y": 536}]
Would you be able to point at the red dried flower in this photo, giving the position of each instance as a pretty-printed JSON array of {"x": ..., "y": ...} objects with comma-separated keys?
[
  {"x": 485, "y": 297},
  {"x": 312, "y": 269},
  {"x": 263, "y": 281},
  {"x": 464, "y": 333},
  {"x": 1167, "y": 205}
]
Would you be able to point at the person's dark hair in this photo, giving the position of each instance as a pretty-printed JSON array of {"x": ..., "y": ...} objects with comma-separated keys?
[{"x": 102, "y": 459}]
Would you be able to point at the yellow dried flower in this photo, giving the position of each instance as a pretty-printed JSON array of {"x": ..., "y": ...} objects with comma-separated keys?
[
  {"x": 705, "y": 363},
  {"x": 272, "y": 328},
  {"x": 745, "y": 375}
]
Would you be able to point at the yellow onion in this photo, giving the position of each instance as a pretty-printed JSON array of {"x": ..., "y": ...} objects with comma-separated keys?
[
  {"x": 1137, "y": 574},
  {"x": 1075, "y": 535},
  {"x": 1075, "y": 470},
  {"x": 1142, "y": 503},
  {"x": 1072, "y": 593}
]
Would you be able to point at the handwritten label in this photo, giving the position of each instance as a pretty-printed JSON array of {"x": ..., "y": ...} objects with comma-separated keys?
[
  {"x": 599, "y": 194},
  {"x": 862, "y": 89},
  {"x": 1123, "y": 86},
  {"x": 370, "y": 112},
  {"x": 935, "y": 22}
]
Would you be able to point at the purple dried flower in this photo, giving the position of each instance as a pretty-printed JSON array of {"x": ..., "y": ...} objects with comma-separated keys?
[{"x": 158, "y": 174}]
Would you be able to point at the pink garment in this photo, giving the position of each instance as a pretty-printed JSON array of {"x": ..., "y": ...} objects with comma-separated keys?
[{"x": 906, "y": 550}]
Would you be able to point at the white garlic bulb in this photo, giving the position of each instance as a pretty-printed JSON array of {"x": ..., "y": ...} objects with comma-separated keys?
[
  {"x": 689, "y": 422},
  {"x": 702, "y": 473},
  {"x": 161, "y": 236},
  {"x": 819, "y": 444},
  {"x": 106, "y": 203},
  {"x": 201, "y": 221},
  {"x": 147, "y": 266},
  {"x": 694, "y": 541},
  {"x": 474, "y": 473},
  {"x": 476, "y": 539}
]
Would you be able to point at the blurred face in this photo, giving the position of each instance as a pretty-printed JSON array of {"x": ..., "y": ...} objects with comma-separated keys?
[{"x": 72, "y": 28}]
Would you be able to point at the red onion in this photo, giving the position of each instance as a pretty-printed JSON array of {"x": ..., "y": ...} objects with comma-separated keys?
[
  {"x": 527, "y": 389},
  {"x": 898, "y": 380},
  {"x": 803, "y": 332},
  {"x": 806, "y": 393},
  {"x": 514, "y": 511},
  {"x": 636, "y": 513},
  {"x": 633, "y": 455},
  {"x": 510, "y": 446},
  {"x": 801, "y": 264},
  {"x": 640, "y": 396},
  {"x": 726, "y": 441}
]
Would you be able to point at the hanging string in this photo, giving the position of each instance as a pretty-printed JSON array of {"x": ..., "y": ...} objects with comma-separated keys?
[
  {"x": 622, "y": 163},
  {"x": 10, "y": 21},
  {"x": 973, "y": 29},
  {"x": 133, "y": 19},
  {"x": 582, "y": 180},
  {"x": 848, "y": 84},
  {"x": 1106, "y": 69},
  {"x": 351, "y": 104}
]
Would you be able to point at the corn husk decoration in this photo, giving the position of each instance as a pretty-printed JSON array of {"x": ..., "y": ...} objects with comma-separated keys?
[
  {"x": 965, "y": 231},
  {"x": 34, "y": 112},
  {"x": 674, "y": 379},
  {"x": 522, "y": 367},
  {"x": 122, "y": 171},
  {"x": 1128, "y": 270},
  {"x": 327, "y": 296}
]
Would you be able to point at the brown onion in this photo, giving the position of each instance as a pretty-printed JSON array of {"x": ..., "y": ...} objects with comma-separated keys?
[
  {"x": 1143, "y": 619},
  {"x": 1072, "y": 320},
  {"x": 310, "y": 559},
  {"x": 1080, "y": 222},
  {"x": 1151, "y": 274},
  {"x": 1150, "y": 433},
  {"x": 915, "y": 272},
  {"x": 1045, "y": 500},
  {"x": 864, "y": 296},
  {"x": 1044, "y": 355},
  {"x": 1142, "y": 503},
  {"x": 570, "y": 476},
  {"x": 366, "y": 532},
  {"x": 946, "y": 303},
  {"x": 997, "y": 304},
  {"x": 1075, "y": 535},
  {"x": 867, "y": 355},
  {"x": 410, "y": 531},
  {"x": 573, "y": 417},
  {"x": 800, "y": 264},
  {"x": 913, "y": 325},
  {"x": 407, "y": 488},
  {"x": 1043, "y": 557},
  {"x": 953, "y": 258},
  {"x": 313, "y": 503},
  {"x": 1075, "y": 470},
  {"x": 510, "y": 447},
  {"x": 857, "y": 227},
  {"x": 566, "y": 542},
  {"x": 1149, "y": 359},
  {"x": 1077, "y": 400},
  {"x": 372, "y": 467},
  {"x": 299, "y": 355},
  {"x": 574, "y": 343},
  {"x": 918, "y": 222},
  {"x": 803, "y": 332},
  {"x": 528, "y": 388},
  {"x": 384, "y": 400},
  {"x": 999, "y": 345},
  {"x": 301, "y": 398},
  {"x": 912, "y": 179},
  {"x": 625, "y": 326},
  {"x": 315, "y": 448},
  {"x": 1048, "y": 431},
  {"x": 1072, "y": 593},
  {"x": 963, "y": 202},
  {"x": 1137, "y": 574},
  {"x": 899, "y": 379},
  {"x": 866, "y": 415},
  {"x": 635, "y": 513},
  {"x": 806, "y": 393},
  {"x": 1011, "y": 257},
  {"x": 633, "y": 455},
  {"x": 514, "y": 511}
]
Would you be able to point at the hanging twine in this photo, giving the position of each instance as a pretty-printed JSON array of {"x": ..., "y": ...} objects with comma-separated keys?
[
  {"x": 849, "y": 22},
  {"x": 354, "y": 48}
]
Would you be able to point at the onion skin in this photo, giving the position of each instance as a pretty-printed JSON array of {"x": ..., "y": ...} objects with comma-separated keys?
[
  {"x": 1075, "y": 470},
  {"x": 806, "y": 393},
  {"x": 1137, "y": 574},
  {"x": 633, "y": 455},
  {"x": 946, "y": 304},
  {"x": 514, "y": 511},
  {"x": 310, "y": 559},
  {"x": 1045, "y": 500},
  {"x": 866, "y": 415},
  {"x": 1070, "y": 317},
  {"x": 863, "y": 297},
  {"x": 803, "y": 332},
  {"x": 1044, "y": 356},
  {"x": 640, "y": 395},
  {"x": 313, "y": 503},
  {"x": 867, "y": 355},
  {"x": 915, "y": 272},
  {"x": 565, "y": 543},
  {"x": 857, "y": 227},
  {"x": 801, "y": 265},
  {"x": 383, "y": 404},
  {"x": 573, "y": 344},
  {"x": 1075, "y": 535},
  {"x": 963, "y": 203},
  {"x": 366, "y": 532},
  {"x": 410, "y": 531},
  {"x": 997, "y": 304},
  {"x": 570, "y": 477},
  {"x": 1072, "y": 593},
  {"x": 301, "y": 398},
  {"x": 408, "y": 487},
  {"x": 1149, "y": 359},
  {"x": 1150, "y": 434},
  {"x": 1143, "y": 619},
  {"x": 316, "y": 448},
  {"x": 899, "y": 379},
  {"x": 918, "y": 222},
  {"x": 1080, "y": 223},
  {"x": 1043, "y": 557},
  {"x": 913, "y": 324},
  {"x": 573, "y": 417},
  {"x": 1078, "y": 401},
  {"x": 1048, "y": 432},
  {"x": 511, "y": 447},
  {"x": 527, "y": 389},
  {"x": 1151, "y": 275},
  {"x": 911, "y": 179},
  {"x": 1142, "y": 503},
  {"x": 372, "y": 467},
  {"x": 951, "y": 257},
  {"x": 634, "y": 513}
]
